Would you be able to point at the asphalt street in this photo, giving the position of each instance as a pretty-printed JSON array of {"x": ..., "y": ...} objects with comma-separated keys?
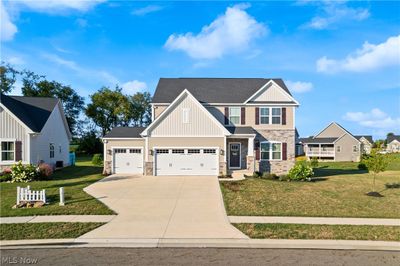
[{"x": 195, "y": 256}]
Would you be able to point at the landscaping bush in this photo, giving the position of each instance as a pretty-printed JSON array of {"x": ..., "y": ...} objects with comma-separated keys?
[
  {"x": 5, "y": 175},
  {"x": 300, "y": 172},
  {"x": 362, "y": 166},
  {"x": 23, "y": 173},
  {"x": 269, "y": 176},
  {"x": 97, "y": 159},
  {"x": 392, "y": 185},
  {"x": 314, "y": 162},
  {"x": 44, "y": 171}
]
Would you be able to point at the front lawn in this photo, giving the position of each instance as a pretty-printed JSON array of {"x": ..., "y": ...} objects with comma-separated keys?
[
  {"x": 339, "y": 193},
  {"x": 73, "y": 179},
  {"x": 45, "y": 230},
  {"x": 308, "y": 231}
]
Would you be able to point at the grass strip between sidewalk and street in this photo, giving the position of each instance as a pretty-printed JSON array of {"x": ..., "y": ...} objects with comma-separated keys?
[
  {"x": 45, "y": 230},
  {"x": 308, "y": 231}
]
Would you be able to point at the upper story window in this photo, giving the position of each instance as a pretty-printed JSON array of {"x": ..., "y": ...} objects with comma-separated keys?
[
  {"x": 7, "y": 151},
  {"x": 355, "y": 148},
  {"x": 234, "y": 115},
  {"x": 270, "y": 115},
  {"x": 271, "y": 150},
  {"x": 51, "y": 150},
  {"x": 185, "y": 115}
]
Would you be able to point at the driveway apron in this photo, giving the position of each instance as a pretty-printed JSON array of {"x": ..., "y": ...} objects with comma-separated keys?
[{"x": 162, "y": 207}]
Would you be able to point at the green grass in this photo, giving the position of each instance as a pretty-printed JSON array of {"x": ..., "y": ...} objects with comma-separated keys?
[
  {"x": 394, "y": 163},
  {"x": 45, "y": 230},
  {"x": 73, "y": 179},
  {"x": 339, "y": 193},
  {"x": 308, "y": 231}
]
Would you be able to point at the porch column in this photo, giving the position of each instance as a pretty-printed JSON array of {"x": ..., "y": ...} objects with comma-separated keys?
[{"x": 250, "y": 146}]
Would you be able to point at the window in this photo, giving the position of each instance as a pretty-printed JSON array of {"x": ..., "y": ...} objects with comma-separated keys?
[
  {"x": 7, "y": 151},
  {"x": 210, "y": 151},
  {"x": 135, "y": 151},
  {"x": 234, "y": 115},
  {"x": 162, "y": 151},
  {"x": 271, "y": 151},
  {"x": 179, "y": 151},
  {"x": 338, "y": 149},
  {"x": 51, "y": 150},
  {"x": 120, "y": 151},
  {"x": 355, "y": 148},
  {"x": 191, "y": 151},
  {"x": 270, "y": 115},
  {"x": 185, "y": 115},
  {"x": 264, "y": 115},
  {"x": 276, "y": 116},
  {"x": 59, "y": 148}
]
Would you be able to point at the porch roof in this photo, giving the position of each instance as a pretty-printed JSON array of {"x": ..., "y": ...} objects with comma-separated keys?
[
  {"x": 241, "y": 130},
  {"x": 318, "y": 140}
]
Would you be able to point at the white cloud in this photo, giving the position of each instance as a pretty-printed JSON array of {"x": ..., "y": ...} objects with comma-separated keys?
[
  {"x": 54, "y": 6},
  {"x": 131, "y": 87},
  {"x": 376, "y": 119},
  {"x": 334, "y": 12},
  {"x": 230, "y": 32},
  {"x": 299, "y": 86},
  {"x": 7, "y": 27},
  {"x": 15, "y": 60},
  {"x": 146, "y": 10},
  {"x": 369, "y": 57}
]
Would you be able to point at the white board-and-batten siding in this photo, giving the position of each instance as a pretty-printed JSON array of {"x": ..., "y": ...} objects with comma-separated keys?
[
  {"x": 198, "y": 123},
  {"x": 271, "y": 93},
  {"x": 12, "y": 129}
]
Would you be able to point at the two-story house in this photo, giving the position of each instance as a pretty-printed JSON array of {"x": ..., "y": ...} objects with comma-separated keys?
[
  {"x": 209, "y": 126},
  {"x": 393, "y": 143},
  {"x": 335, "y": 143}
]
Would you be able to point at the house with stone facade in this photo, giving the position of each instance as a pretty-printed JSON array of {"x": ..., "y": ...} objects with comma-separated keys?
[
  {"x": 393, "y": 143},
  {"x": 209, "y": 126}
]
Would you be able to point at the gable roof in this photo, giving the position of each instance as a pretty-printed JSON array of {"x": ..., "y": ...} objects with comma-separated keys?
[
  {"x": 393, "y": 137},
  {"x": 32, "y": 111},
  {"x": 241, "y": 130},
  {"x": 369, "y": 138},
  {"x": 124, "y": 132},
  {"x": 175, "y": 103},
  {"x": 212, "y": 90},
  {"x": 317, "y": 140},
  {"x": 342, "y": 128}
]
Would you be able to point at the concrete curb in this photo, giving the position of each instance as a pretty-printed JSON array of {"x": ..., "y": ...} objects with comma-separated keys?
[{"x": 203, "y": 243}]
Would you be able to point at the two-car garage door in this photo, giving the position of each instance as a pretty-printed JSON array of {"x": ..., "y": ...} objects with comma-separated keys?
[{"x": 186, "y": 161}]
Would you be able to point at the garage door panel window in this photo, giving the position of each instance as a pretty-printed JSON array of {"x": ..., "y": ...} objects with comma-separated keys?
[
  {"x": 120, "y": 151},
  {"x": 162, "y": 151},
  {"x": 178, "y": 151},
  {"x": 210, "y": 151},
  {"x": 135, "y": 151},
  {"x": 193, "y": 151}
]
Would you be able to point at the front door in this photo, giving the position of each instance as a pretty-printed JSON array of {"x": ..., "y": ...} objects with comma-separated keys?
[{"x": 234, "y": 155}]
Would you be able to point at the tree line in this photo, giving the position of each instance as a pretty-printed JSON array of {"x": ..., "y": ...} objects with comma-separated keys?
[{"x": 105, "y": 109}]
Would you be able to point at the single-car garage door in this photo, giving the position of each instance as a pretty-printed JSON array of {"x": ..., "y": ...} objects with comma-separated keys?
[
  {"x": 128, "y": 161},
  {"x": 186, "y": 161}
]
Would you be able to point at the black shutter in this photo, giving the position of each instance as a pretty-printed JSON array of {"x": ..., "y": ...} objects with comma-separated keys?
[
  {"x": 257, "y": 116},
  {"x": 284, "y": 116},
  {"x": 226, "y": 116},
  {"x": 243, "y": 115}
]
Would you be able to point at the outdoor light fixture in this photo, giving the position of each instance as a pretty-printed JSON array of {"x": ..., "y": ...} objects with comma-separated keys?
[
  {"x": 221, "y": 152},
  {"x": 151, "y": 152},
  {"x": 109, "y": 152}
]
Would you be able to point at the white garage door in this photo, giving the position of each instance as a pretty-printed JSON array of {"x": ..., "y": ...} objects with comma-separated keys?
[
  {"x": 185, "y": 161},
  {"x": 128, "y": 161}
]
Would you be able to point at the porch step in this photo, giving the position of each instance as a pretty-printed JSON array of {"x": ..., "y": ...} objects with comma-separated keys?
[{"x": 240, "y": 173}]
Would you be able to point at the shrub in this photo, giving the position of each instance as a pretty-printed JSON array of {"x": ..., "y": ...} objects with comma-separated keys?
[
  {"x": 23, "y": 173},
  {"x": 392, "y": 185},
  {"x": 300, "y": 172},
  {"x": 314, "y": 162},
  {"x": 362, "y": 166},
  {"x": 269, "y": 176},
  {"x": 44, "y": 170},
  {"x": 5, "y": 176},
  {"x": 97, "y": 159},
  {"x": 284, "y": 178}
]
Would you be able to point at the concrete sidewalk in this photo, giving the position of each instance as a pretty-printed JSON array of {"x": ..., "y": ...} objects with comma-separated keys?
[
  {"x": 313, "y": 220},
  {"x": 202, "y": 243},
  {"x": 57, "y": 218}
]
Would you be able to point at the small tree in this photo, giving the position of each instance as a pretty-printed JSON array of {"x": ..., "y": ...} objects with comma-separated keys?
[{"x": 376, "y": 163}]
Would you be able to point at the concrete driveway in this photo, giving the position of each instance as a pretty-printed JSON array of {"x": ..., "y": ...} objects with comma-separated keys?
[{"x": 162, "y": 207}]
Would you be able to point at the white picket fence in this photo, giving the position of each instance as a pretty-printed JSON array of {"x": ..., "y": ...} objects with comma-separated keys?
[{"x": 26, "y": 194}]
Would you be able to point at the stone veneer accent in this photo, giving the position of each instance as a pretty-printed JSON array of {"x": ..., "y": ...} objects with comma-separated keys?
[
  {"x": 250, "y": 163},
  {"x": 148, "y": 168},
  {"x": 278, "y": 167},
  {"x": 107, "y": 168},
  {"x": 222, "y": 168}
]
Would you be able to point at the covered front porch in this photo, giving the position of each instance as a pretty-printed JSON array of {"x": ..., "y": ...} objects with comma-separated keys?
[{"x": 240, "y": 151}]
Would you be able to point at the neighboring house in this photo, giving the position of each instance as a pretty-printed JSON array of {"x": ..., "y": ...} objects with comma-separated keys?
[
  {"x": 393, "y": 143},
  {"x": 334, "y": 143},
  {"x": 33, "y": 129},
  {"x": 366, "y": 143},
  {"x": 299, "y": 145},
  {"x": 209, "y": 126}
]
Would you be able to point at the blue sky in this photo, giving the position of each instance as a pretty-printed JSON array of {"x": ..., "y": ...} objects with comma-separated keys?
[{"x": 340, "y": 59}]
